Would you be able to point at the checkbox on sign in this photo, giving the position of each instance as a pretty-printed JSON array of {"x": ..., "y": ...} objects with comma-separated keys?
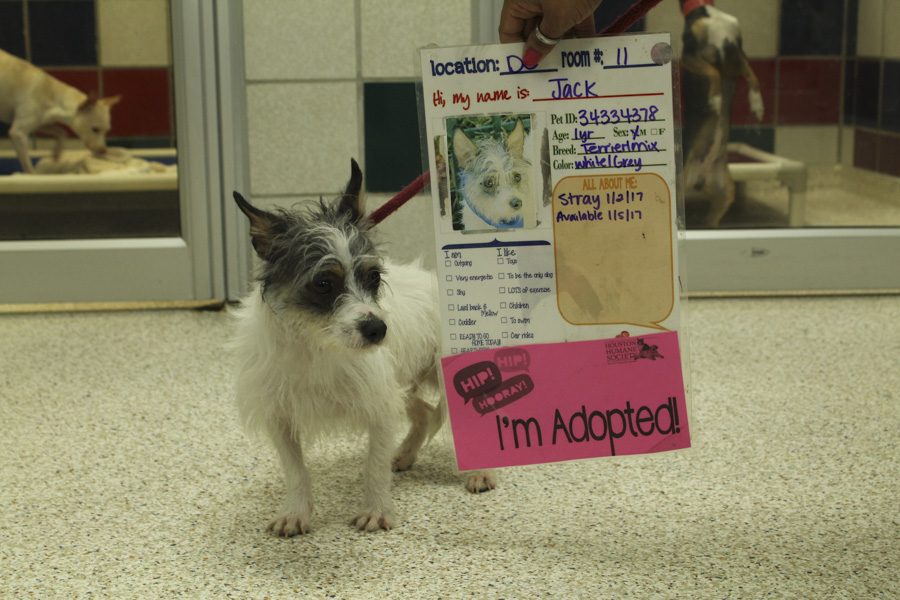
[
  {"x": 503, "y": 320},
  {"x": 503, "y": 290},
  {"x": 501, "y": 276},
  {"x": 503, "y": 305},
  {"x": 451, "y": 307},
  {"x": 453, "y": 351},
  {"x": 449, "y": 277},
  {"x": 453, "y": 321},
  {"x": 449, "y": 292},
  {"x": 499, "y": 261},
  {"x": 447, "y": 263},
  {"x": 452, "y": 336},
  {"x": 505, "y": 335}
]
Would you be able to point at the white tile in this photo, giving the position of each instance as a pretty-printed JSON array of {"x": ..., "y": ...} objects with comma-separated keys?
[
  {"x": 870, "y": 27},
  {"x": 393, "y": 31},
  {"x": 758, "y": 19},
  {"x": 891, "y": 20},
  {"x": 408, "y": 233},
  {"x": 134, "y": 32},
  {"x": 302, "y": 136},
  {"x": 811, "y": 144},
  {"x": 285, "y": 202},
  {"x": 666, "y": 17},
  {"x": 310, "y": 39},
  {"x": 760, "y": 24}
]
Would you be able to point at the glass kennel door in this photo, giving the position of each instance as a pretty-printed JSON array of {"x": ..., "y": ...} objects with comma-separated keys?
[
  {"x": 132, "y": 225},
  {"x": 811, "y": 198}
]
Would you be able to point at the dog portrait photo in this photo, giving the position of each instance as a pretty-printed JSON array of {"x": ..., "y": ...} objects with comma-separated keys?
[{"x": 491, "y": 172}]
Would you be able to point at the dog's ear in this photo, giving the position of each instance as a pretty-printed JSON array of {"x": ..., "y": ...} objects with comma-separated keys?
[
  {"x": 353, "y": 201},
  {"x": 463, "y": 148},
  {"x": 263, "y": 226},
  {"x": 111, "y": 101},
  {"x": 515, "y": 141},
  {"x": 88, "y": 102}
]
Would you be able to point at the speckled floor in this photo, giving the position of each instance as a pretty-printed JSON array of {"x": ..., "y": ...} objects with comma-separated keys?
[{"x": 125, "y": 475}]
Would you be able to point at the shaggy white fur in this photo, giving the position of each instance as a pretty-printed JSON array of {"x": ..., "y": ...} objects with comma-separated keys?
[
  {"x": 334, "y": 337},
  {"x": 295, "y": 385}
]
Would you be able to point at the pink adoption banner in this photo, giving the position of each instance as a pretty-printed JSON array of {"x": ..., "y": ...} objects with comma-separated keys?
[{"x": 545, "y": 403}]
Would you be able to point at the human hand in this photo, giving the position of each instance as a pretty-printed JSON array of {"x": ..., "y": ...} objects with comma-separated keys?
[{"x": 520, "y": 21}]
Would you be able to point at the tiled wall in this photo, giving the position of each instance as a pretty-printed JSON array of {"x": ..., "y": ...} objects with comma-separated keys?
[
  {"x": 830, "y": 77},
  {"x": 345, "y": 87},
  {"x": 328, "y": 80},
  {"x": 872, "y": 92},
  {"x": 106, "y": 46}
]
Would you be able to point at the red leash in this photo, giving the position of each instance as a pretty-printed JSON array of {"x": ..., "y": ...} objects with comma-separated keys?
[
  {"x": 626, "y": 20},
  {"x": 400, "y": 199}
]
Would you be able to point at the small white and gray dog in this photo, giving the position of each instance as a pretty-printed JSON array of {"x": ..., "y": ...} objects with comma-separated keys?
[
  {"x": 494, "y": 181},
  {"x": 334, "y": 336}
]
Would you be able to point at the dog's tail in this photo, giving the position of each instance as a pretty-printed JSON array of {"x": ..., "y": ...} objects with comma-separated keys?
[
  {"x": 438, "y": 417},
  {"x": 429, "y": 391}
]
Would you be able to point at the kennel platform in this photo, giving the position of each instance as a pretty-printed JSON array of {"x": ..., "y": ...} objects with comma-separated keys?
[
  {"x": 89, "y": 206},
  {"x": 746, "y": 163},
  {"x": 12, "y": 182}
]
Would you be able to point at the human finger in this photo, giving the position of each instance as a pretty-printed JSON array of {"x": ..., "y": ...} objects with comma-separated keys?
[{"x": 514, "y": 16}]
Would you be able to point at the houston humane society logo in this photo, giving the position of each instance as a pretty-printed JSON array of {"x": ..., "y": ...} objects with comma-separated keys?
[
  {"x": 483, "y": 384},
  {"x": 628, "y": 349}
]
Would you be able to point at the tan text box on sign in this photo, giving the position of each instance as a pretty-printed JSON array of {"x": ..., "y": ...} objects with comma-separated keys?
[{"x": 613, "y": 243}]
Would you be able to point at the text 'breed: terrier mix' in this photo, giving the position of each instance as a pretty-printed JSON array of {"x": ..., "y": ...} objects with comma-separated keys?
[{"x": 334, "y": 336}]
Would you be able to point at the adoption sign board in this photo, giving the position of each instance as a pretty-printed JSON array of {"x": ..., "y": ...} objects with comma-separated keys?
[{"x": 555, "y": 217}]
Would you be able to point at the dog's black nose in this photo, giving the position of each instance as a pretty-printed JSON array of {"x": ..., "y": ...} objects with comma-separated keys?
[
  {"x": 372, "y": 329},
  {"x": 515, "y": 203}
]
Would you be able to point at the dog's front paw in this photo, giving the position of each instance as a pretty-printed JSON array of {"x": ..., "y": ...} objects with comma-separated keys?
[
  {"x": 482, "y": 481},
  {"x": 403, "y": 462},
  {"x": 756, "y": 105},
  {"x": 289, "y": 525},
  {"x": 373, "y": 520}
]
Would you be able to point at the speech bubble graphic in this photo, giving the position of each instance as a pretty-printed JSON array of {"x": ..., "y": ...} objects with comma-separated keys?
[
  {"x": 512, "y": 359},
  {"x": 476, "y": 379},
  {"x": 613, "y": 244},
  {"x": 504, "y": 394}
]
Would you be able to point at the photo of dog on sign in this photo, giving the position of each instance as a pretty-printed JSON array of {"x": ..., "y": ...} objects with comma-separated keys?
[{"x": 492, "y": 179}]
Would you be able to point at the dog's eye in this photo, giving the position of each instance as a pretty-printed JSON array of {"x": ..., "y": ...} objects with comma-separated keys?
[
  {"x": 489, "y": 183},
  {"x": 373, "y": 278},
  {"x": 323, "y": 286},
  {"x": 96, "y": 130},
  {"x": 516, "y": 178}
]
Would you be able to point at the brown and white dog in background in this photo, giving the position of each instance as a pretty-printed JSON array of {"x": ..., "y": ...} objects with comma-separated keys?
[{"x": 712, "y": 62}]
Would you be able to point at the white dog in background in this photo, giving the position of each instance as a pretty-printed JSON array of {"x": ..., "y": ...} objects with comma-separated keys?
[
  {"x": 334, "y": 336},
  {"x": 33, "y": 101}
]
